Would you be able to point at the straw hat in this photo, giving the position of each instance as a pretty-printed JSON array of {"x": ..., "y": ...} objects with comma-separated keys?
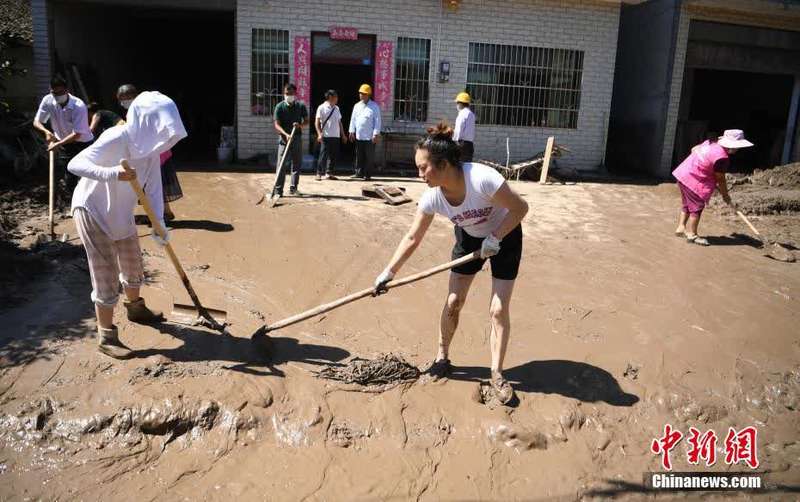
[{"x": 733, "y": 138}]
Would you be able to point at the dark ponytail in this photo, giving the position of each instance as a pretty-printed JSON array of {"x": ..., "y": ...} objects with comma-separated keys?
[{"x": 440, "y": 146}]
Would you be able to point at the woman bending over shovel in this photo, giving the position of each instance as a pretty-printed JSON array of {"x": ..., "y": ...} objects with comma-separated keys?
[
  {"x": 702, "y": 172},
  {"x": 487, "y": 215},
  {"x": 103, "y": 205}
]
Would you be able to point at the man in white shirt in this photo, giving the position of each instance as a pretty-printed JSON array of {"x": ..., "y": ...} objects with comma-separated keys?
[
  {"x": 464, "y": 133},
  {"x": 69, "y": 121},
  {"x": 330, "y": 135},
  {"x": 365, "y": 127}
]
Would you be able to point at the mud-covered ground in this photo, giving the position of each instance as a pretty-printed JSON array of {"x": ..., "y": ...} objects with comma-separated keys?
[
  {"x": 618, "y": 329},
  {"x": 771, "y": 198}
]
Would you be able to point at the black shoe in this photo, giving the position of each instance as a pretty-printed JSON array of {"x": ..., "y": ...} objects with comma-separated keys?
[
  {"x": 293, "y": 191},
  {"x": 368, "y": 178}
]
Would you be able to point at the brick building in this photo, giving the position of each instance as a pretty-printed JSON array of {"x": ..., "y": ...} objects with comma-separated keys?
[
  {"x": 536, "y": 68},
  {"x": 691, "y": 68}
]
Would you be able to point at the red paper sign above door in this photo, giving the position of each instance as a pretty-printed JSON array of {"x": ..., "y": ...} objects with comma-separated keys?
[{"x": 343, "y": 33}]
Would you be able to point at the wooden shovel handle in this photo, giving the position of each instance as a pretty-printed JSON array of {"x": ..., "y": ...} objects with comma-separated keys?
[
  {"x": 279, "y": 168},
  {"x": 52, "y": 191},
  {"x": 156, "y": 224},
  {"x": 747, "y": 221},
  {"x": 369, "y": 291}
]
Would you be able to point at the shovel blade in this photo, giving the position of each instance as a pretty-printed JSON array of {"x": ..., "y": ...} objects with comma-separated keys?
[{"x": 188, "y": 314}]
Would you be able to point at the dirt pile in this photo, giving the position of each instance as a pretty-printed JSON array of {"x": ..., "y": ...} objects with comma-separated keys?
[{"x": 768, "y": 192}]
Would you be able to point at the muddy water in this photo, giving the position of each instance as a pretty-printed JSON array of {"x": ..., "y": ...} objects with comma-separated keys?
[{"x": 618, "y": 329}]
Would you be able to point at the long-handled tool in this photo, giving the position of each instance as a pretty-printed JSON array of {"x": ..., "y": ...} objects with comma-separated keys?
[
  {"x": 52, "y": 193},
  {"x": 196, "y": 314},
  {"x": 775, "y": 249},
  {"x": 364, "y": 293},
  {"x": 278, "y": 170}
]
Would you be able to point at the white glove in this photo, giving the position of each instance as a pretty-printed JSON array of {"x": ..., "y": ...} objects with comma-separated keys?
[
  {"x": 490, "y": 246},
  {"x": 161, "y": 242},
  {"x": 380, "y": 281}
]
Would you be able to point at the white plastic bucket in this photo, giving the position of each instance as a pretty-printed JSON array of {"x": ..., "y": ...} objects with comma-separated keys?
[{"x": 224, "y": 154}]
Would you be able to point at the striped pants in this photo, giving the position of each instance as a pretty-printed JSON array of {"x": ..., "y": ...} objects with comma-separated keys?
[{"x": 110, "y": 262}]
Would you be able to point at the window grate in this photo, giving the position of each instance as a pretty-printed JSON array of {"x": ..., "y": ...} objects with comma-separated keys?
[
  {"x": 411, "y": 79},
  {"x": 525, "y": 86},
  {"x": 269, "y": 69}
]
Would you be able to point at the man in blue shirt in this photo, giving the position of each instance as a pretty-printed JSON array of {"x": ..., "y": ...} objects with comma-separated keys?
[{"x": 365, "y": 127}]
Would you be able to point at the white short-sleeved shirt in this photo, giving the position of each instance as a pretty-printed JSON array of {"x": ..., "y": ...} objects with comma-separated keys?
[
  {"x": 477, "y": 215},
  {"x": 331, "y": 127},
  {"x": 66, "y": 119}
]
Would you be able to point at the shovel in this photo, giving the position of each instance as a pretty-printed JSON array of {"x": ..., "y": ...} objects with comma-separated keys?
[
  {"x": 274, "y": 200},
  {"x": 364, "y": 293},
  {"x": 775, "y": 250},
  {"x": 50, "y": 218},
  {"x": 193, "y": 315},
  {"x": 52, "y": 193}
]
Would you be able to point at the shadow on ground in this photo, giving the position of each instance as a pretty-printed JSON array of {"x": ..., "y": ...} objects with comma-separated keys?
[
  {"x": 572, "y": 379},
  {"x": 258, "y": 355}
]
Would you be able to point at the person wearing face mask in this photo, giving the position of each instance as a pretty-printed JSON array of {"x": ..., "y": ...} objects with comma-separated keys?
[
  {"x": 126, "y": 93},
  {"x": 464, "y": 133},
  {"x": 289, "y": 114},
  {"x": 486, "y": 214},
  {"x": 69, "y": 121},
  {"x": 103, "y": 205}
]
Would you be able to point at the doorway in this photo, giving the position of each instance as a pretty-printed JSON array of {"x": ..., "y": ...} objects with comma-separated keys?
[
  {"x": 105, "y": 42},
  {"x": 342, "y": 65}
]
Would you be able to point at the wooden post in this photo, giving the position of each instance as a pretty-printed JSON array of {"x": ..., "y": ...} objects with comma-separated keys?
[{"x": 548, "y": 152}]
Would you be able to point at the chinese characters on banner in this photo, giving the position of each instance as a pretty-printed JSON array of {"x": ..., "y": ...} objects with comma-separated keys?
[
  {"x": 302, "y": 68},
  {"x": 343, "y": 33},
  {"x": 740, "y": 446},
  {"x": 383, "y": 74}
]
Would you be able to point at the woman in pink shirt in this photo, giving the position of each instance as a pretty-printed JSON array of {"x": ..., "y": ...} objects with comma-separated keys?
[{"x": 699, "y": 175}]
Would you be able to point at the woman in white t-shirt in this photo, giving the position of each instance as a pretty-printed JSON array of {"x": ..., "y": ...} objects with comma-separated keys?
[{"x": 487, "y": 216}]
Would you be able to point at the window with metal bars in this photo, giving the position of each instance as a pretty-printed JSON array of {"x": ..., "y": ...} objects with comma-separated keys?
[
  {"x": 269, "y": 68},
  {"x": 525, "y": 86},
  {"x": 411, "y": 79}
]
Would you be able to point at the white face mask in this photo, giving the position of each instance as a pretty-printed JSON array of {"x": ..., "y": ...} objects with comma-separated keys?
[
  {"x": 125, "y": 103},
  {"x": 289, "y": 98},
  {"x": 62, "y": 99}
]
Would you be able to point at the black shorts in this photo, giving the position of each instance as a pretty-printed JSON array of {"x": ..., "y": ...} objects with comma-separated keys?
[{"x": 505, "y": 264}]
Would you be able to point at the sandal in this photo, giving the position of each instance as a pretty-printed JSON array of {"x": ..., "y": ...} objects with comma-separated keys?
[
  {"x": 440, "y": 369},
  {"x": 502, "y": 389},
  {"x": 680, "y": 234},
  {"x": 696, "y": 239}
]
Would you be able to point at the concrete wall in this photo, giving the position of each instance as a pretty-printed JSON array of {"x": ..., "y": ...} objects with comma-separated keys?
[
  {"x": 761, "y": 13},
  {"x": 41, "y": 46},
  {"x": 583, "y": 25},
  {"x": 642, "y": 85}
]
